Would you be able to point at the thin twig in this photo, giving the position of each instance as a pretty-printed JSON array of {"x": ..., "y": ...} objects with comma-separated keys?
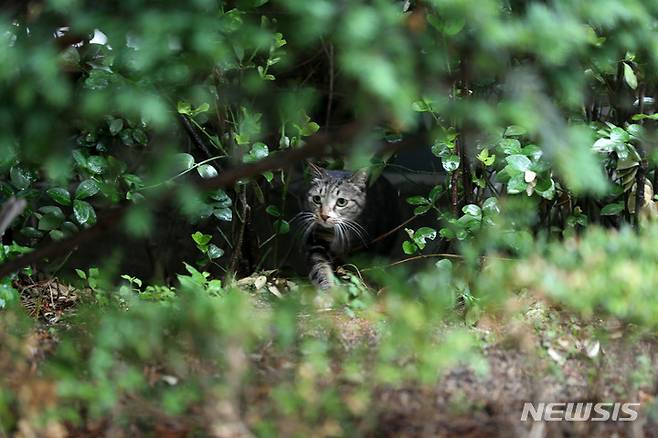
[
  {"x": 330, "y": 100},
  {"x": 435, "y": 255},
  {"x": 243, "y": 224},
  {"x": 388, "y": 233}
]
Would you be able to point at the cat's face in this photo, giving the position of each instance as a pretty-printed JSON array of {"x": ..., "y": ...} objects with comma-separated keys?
[{"x": 336, "y": 198}]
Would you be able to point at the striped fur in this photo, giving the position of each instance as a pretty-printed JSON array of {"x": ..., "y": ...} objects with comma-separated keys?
[{"x": 335, "y": 203}]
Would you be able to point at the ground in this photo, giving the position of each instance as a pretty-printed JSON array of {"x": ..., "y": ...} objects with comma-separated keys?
[{"x": 547, "y": 355}]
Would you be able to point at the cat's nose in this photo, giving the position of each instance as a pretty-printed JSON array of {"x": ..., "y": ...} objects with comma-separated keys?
[{"x": 324, "y": 216}]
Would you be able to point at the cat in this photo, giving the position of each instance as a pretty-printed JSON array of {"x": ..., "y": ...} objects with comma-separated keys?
[{"x": 343, "y": 214}]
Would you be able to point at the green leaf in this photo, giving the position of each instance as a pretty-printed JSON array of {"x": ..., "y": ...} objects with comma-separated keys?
[
  {"x": 273, "y": 210},
  {"x": 472, "y": 210},
  {"x": 60, "y": 195},
  {"x": 417, "y": 200},
  {"x": 444, "y": 265},
  {"x": 69, "y": 228},
  {"x": 214, "y": 252},
  {"x": 207, "y": 171},
  {"x": 435, "y": 21},
  {"x": 510, "y": 146},
  {"x": 619, "y": 135},
  {"x": 422, "y": 209},
  {"x": 52, "y": 210},
  {"x": 31, "y": 233},
  {"x": 20, "y": 177},
  {"x": 453, "y": 26},
  {"x": 98, "y": 79},
  {"x": 223, "y": 214},
  {"x": 258, "y": 151},
  {"x": 133, "y": 181},
  {"x": 201, "y": 109},
  {"x": 223, "y": 200},
  {"x": 447, "y": 233},
  {"x": 97, "y": 164},
  {"x": 435, "y": 192},
  {"x": 409, "y": 247},
  {"x": 485, "y": 158},
  {"x": 515, "y": 130},
  {"x": 516, "y": 184},
  {"x": 310, "y": 128},
  {"x": 51, "y": 219},
  {"x": 421, "y": 106},
  {"x": 87, "y": 189},
  {"x": 422, "y": 234},
  {"x": 629, "y": 76},
  {"x": 635, "y": 130},
  {"x": 441, "y": 149},
  {"x": 82, "y": 274},
  {"x": 116, "y": 125},
  {"x": 80, "y": 158},
  {"x": 518, "y": 162},
  {"x": 604, "y": 145},
  {"x": 645, "y": 116},
  {"x": 612, "y": 209},
  {"x": 56, "y": 234},
  {"x": 281, "y": 226},
  {"x": 201, "y": 239},
  {"x": 532, "y": 151},
  {"x": 184, "y": 107},
  {"x": 490, "y": 205},
  {"x": 140, "y": 136},
  {"x": 134, "y": 196},
  {"x": 126, "y": 137},
  {"x": 83, "y": 212},
  {"x": 6, "y": 190},
  {"x": 451, "y": 163},
  {"x": 546, "y": 187},
  {"x": 183, "y": 162}
]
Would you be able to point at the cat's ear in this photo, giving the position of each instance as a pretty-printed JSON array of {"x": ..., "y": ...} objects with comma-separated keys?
[
  {"x": 360, "y": 177},
  {"x": 316, "y": 171}
]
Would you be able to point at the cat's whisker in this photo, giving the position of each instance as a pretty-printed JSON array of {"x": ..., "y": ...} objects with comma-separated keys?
[
  {"x": 342, "y": 235},
  {"x": 306, "y": 223},
  {"x": 357, "y": 225},
  {"x": 357, "y": 229},
  {"x": 362, "y": 231},
  {"x": 308, "y": 229}
]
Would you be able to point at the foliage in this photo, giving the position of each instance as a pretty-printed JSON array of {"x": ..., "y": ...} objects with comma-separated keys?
[{"x": 539, "y": 118}]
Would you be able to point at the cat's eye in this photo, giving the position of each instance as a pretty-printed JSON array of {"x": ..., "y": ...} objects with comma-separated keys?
[
  {"x": 317, "y": 199},
  {"x": 341, "y": 202}
]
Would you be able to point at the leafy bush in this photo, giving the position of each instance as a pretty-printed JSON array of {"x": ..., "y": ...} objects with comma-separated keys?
[{"x": 538, "y": 120}]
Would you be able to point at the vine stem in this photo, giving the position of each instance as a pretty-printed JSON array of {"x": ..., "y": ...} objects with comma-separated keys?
[
  {"x": 201, "y": 163},
  {"x": 388, "y": 233},
  {"x": 433, "y": 255},
  {"x": 243, "y": 224},
  {"x": 330, "y": 55}
]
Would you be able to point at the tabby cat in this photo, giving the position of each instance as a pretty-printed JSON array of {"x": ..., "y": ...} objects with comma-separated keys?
[{"x": 344, "y": 213}]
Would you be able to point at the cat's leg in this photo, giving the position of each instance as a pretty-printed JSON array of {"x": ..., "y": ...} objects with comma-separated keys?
[{"x": 322, "y": 270}]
